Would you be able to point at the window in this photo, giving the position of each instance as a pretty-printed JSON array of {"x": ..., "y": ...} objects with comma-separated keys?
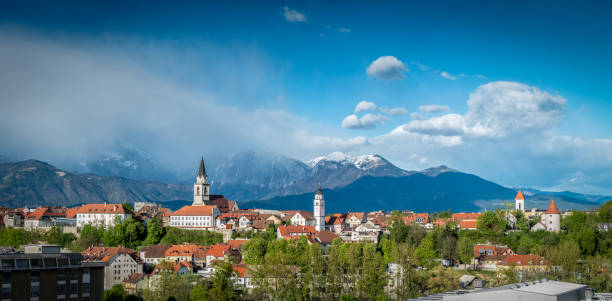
[
  {"x": 85, "y": 288},
  {"x": 6, "y": 278},
  {"x": 34, "y": 291},
  {"x": 74, "y": 288},
  {"x": 8, "y": 263},
  {"x": 61, "y": 289},
  {"x": 6, "y": 293},
  {"x": 35, "y": 276},
  {"x": 23, "y": 263},
  {"x": 74, "y": 274}
]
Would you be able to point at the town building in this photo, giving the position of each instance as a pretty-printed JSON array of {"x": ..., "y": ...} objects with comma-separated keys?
[
  {"x": 355, "y": 219},
  {"x": 550, "y": 220},
  {"x": 201, "y": 188},
  {"x": 519, "y": 201},
  {"x": 119, "y": 263},
  {"x": 43, "y": 272},
  {"x": 336, "y": 222},
  {"x": 290, "y": 231},
  {"x": 137, "y": 282},
  {"x": 319, "y": 210},
  {"x": 523, "y": 263},
  {"x": 300, "y": 217},
  {"x": 366, "y": 232},
  {"x": 101, "y": 214},
  {"x": 194, "y": 217},
  {"x": 487, "y": 256},
  {"x": 153, "y": 254},
  {"x": 417, "y": 218}
]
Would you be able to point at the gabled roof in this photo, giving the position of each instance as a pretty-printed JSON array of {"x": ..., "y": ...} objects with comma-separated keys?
[
  {"x": 240, "y": 270},
  {"x": 519, "y": 196},
  {"x": 134, "y": 277},
  {"x": 102, "y": 209},
  {"x": 206, "y": 210},
  {"x": 326, "y": 237},
  {"x": 335, "y": 219},
  {"x": 155, "y": 251},
  {"x": 306, "y": 214},
  {"x": 521, "y": 260},
  {"x": 181, "y": 250},
  {"x": 468, "y": 224},
  {"x": 413, "y": 218},
  {"x": 358, "y": 215},
  {"x": 293, "y": 229},
  {"x": 105, "y": 254},
  {"x": 552, "y": 208},
  {"x": 458, "y": 217},
  {"x": 236, "y": 243},
  {"x": 218, "y": 250}
]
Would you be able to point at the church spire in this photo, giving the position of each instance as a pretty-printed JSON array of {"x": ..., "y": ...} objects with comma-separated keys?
[{"x": 202, "y": 171}]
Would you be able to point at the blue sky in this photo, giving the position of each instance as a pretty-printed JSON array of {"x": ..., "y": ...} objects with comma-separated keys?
[{"x": 287, "y": 74}]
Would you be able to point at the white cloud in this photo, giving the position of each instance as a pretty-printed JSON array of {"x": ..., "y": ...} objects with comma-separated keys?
[
  {"x": 368, "y": 121},
  {"x": 417, "y": 116},
  {"x": 447, "y": 75},
  {"x": 496, "y": 110},
  {"x": 387, "y": 68},
  {"x": 363, "y": 106},
  {"x": 433, "y": 108},
  {"x": 294, "y": 16},
  {"x": 344, "y": 30},
  {"x": 394, "y": 111}
]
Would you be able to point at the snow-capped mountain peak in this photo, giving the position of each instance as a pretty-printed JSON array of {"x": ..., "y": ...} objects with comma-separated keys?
[{"x": 361, "y": 162}]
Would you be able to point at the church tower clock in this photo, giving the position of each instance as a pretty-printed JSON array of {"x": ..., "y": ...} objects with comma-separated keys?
[{"x": 319, "y": 210}]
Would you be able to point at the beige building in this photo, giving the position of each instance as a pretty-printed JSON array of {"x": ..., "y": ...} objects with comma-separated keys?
[{"x": 119, "y": 263}]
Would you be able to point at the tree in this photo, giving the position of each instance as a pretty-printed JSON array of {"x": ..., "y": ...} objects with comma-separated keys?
[
  {"x": 465, "y": 247},
  {"x": 198, "y": 293},
  {"x": 56, "y": 236},
  {"x": 605, "y": 212},
  {"x": 373, "y": 278},
  {"x": 565, "y": 255},
  {"x": 116, "y": 293},
  {"x": 89, "y": 236},
  {"x": 426, "y": 252},
  {"x": 490, "y": 223},
  {"x": 155, "y": 231},
  {"x": 254, "y": 250},
  {"x": 128, "y": 207},
  {"x": 14, "y": 237},
  {"x": 222, "y": 285}
]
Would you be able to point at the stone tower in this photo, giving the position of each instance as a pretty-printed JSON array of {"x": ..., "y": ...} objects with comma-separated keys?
[
  {"x": 319, "y": 210},
  {"x": 552, "y": 217},
  {"x": 201, "y": 188},
  {"x": 519, "y": 200}
]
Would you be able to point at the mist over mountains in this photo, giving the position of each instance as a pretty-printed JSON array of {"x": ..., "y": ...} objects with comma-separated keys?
[{"x": 263, "y": 179}]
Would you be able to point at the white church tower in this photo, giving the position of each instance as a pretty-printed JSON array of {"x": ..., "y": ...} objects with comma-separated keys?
[
  {"x": 519, "y": 200},
  {"x": 319, "y": 210},
  {"x": 201, "y": 188}
]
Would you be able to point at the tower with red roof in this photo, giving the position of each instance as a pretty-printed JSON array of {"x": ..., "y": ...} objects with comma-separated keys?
[{"x": 519, "y": 201}]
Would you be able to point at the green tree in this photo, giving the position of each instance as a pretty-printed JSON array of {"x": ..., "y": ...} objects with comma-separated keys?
[
  {"x": 373, "y": 276},
  {"x": 14, "y": 237},
  {"x": 254, "y": 250},
  {"x": 605, "y": 212},
  {"x": 491, "y": 222},
  {"x": 222, "y": 285},
  {"x": 89, "y": 236},
  {"x": 116, "y": 293},
  {"x": 198, "y": 293},
  {"x": 155, "y": 231},
  {"x": 56, "y": 236},
  {"x": 426, "y": 252},
  {"x": 465, "y": 247},
  {"x": 566, "y": 255},
  {"x": 443, "y": 279},
  {"x": 128, "y": 207}
]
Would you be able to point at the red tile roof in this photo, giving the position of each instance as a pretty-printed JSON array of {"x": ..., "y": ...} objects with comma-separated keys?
[
  {"x": 181, "y": 250},
  {"x": 416, "y": 216},
  {"x": 552, "y": 208},
  {"x": 292, "y": 229},
  {"x": 359, "y": 215},
  {"x": 306, "y": 214},
  {"x": 102, "y": 208},
  {"x": 240, "y": 270},
  {"x": 519, "y": 196},
  {"x": 335, "y": 219},
  {"x": 218, "y": 250},
  {"x": 105, "y": 254},
  {"x": 326, "y": 237},
  {"x": 458, "y": 217},
  {"x": 497, "y": 250},
  {"x": 468, "y": 224},
  {"x": 521, "y": 260},
  {"x": 236, "y": 243},
  {"x": 195, "y": 211},
  {"x": 71, "y": 212},
  {"x": 155, "y": 251},
  {"x": 134, "y": 277}
]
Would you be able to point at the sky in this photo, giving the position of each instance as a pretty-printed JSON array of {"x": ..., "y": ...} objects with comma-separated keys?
[{"x": 516, "y": 92}]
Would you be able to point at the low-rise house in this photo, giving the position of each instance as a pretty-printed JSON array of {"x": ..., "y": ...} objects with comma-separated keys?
[
  {"x": 154, "y": 254},
  {"x": 290, "y": 231},
  {"x": 136, "y": 283},
  {"x": 223, "y": 204},
  {"x": 366, "y": 232},
  {"x": 241, "y": 279},
  {"x": 217, "y": 252},
  {"x": 355, "y": 219},
  {"x": 179, "y": 253},
  {"x": 12, "y": 219},
  {"x": 119, "y": 263},
  {"x": 523, "y": 263},
  {"x": 417, "y": 218},
  {"x": 336, "y": 222},
  {"x": 468, "y": 225},
  {"x": 300, "y": 217},
  {"x": 459, "y": 217},
  {"x": 487, "y": 256},
  {"x": 325, "y": 238},
  {"x": 101, "y": 214}
]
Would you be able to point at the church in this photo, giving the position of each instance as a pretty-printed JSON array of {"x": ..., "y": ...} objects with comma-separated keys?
[
  {"x": 550, "y": 220},
  {"x": 203, "y": 212}
]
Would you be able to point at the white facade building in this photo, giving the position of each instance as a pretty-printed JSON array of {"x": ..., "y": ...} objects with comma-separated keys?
[
  {"x": 319, "y": 210},
  {"x": 201, "y": 188},
  {"x": 519, "y": 201},
  {"x": 101, "y": 215}
]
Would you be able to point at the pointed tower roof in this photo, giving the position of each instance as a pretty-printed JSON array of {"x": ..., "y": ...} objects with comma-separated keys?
[
  {"x": 519, "y": 195},
  {"x": 202, "y": 171},
  {"x": 552, "y": 208},
  {"x": 319, "y": 190}
]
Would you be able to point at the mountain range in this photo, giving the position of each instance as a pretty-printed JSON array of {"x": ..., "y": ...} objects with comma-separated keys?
[{"x": 263, "y": 179}]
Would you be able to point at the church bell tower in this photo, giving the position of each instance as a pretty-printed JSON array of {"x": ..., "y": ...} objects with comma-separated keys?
[
  {"x": 319, "y": 210},
  {"x": 201, "y": 188}
]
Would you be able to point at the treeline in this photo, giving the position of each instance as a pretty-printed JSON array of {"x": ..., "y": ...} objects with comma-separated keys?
[{"x": 128, "y": 233}]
